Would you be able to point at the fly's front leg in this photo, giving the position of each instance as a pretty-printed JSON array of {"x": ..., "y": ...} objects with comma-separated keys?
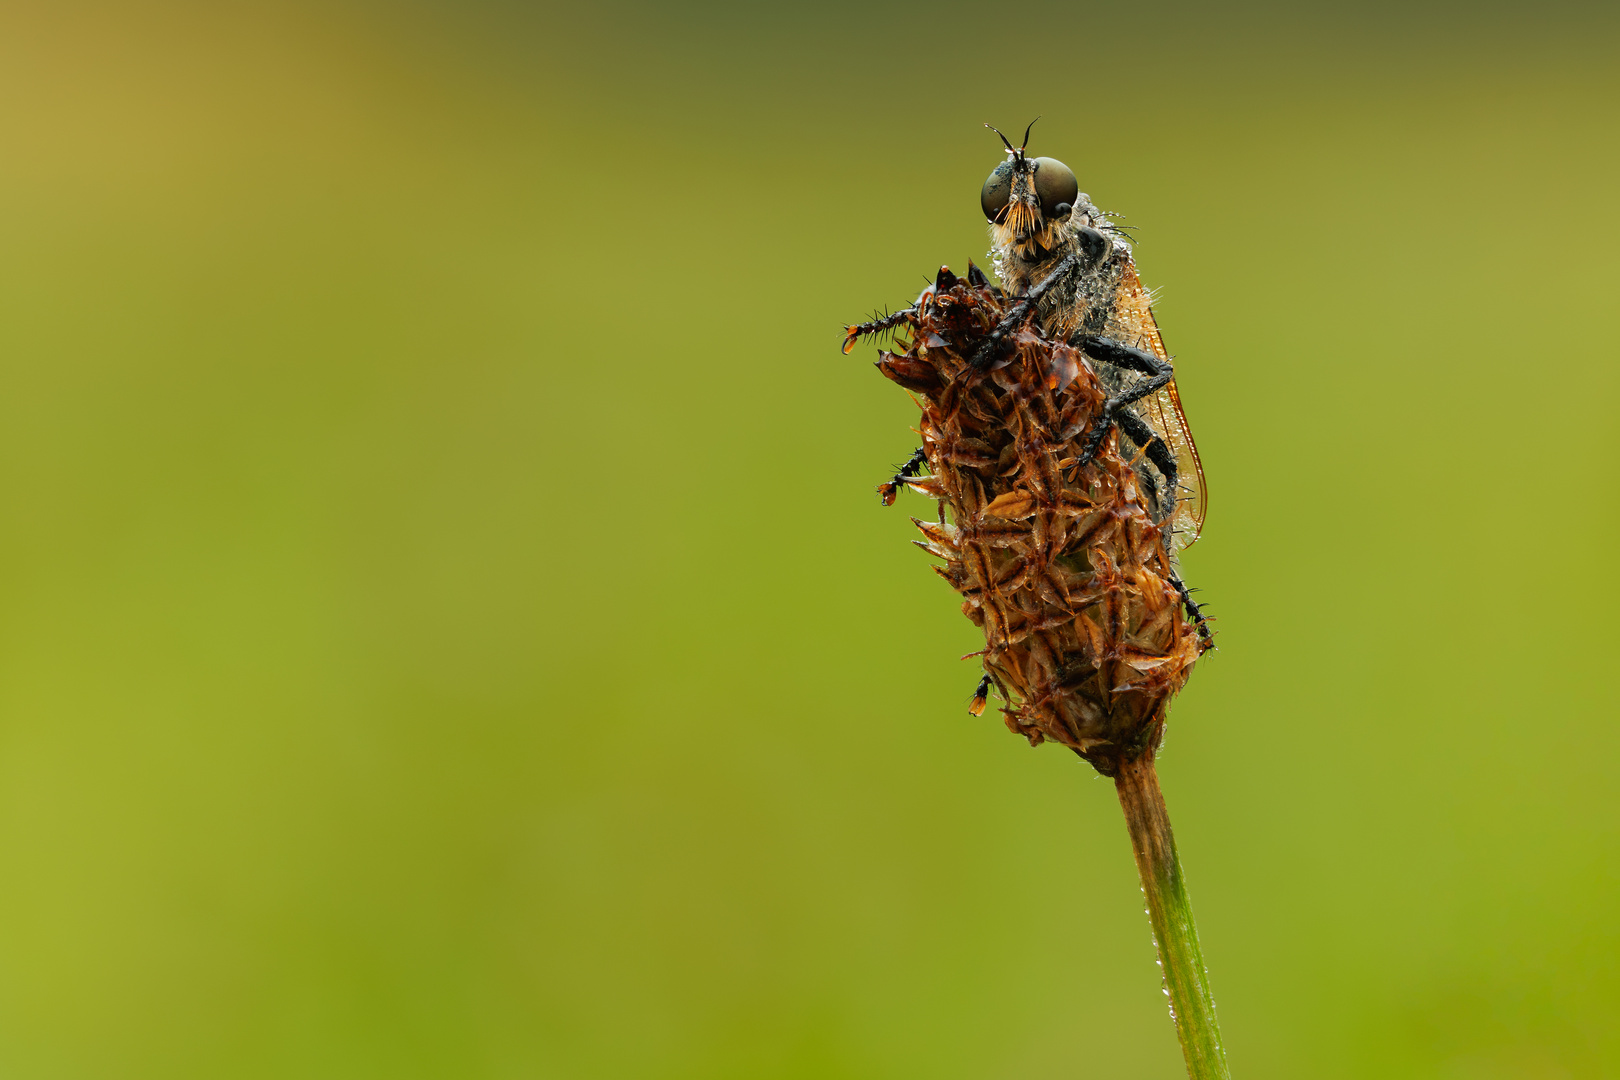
[
  {"x": 1020, "y": 311},
  {"x": 1094, "y": 247},
  {"x": 889, "y": 490}
]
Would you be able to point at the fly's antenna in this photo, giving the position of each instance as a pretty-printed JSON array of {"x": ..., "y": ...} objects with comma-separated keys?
[
  {"x": 1010, "y": 149},
  {"x": 1026, "y": 136}
]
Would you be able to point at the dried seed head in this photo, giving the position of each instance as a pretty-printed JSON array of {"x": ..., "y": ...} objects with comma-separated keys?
[{"x": 1063, "y": 565}]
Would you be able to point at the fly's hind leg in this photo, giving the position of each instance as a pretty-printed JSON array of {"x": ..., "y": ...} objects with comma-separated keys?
[
  {"x": 1164, "y": 461},
  {"x": 1116, "y": 411},
  {"x": 1154, "y": 448},
  {"x": 1194, "y": 611}
]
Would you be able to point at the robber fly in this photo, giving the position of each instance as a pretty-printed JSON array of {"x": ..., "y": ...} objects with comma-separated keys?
[
  {"x": 1064, "y": 264},
  {"x": 1072, "y": 269}
]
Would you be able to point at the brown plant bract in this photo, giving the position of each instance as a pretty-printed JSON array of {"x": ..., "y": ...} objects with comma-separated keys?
[{"x": 1062, "y": 565}]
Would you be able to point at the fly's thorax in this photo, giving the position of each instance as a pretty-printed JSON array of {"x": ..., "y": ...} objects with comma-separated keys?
[{"x": 1084, "y": 299}]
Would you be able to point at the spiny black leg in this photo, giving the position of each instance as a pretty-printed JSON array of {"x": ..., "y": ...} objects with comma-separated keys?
[
  {"x": 981, "y": 697},
  {"x": 881, "y": 325},
  {"x": 890, "y": 489},
  {"x": 1020, "y": 311},
  {"x": 1194, "y": 612}
]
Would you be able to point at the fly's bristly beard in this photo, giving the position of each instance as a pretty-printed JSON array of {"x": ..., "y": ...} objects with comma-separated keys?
[
  {"x": 1025, "y": 230},
  {"x": 1063, "y": 565}
]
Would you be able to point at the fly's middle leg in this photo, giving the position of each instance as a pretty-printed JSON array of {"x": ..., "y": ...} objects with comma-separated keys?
[
  {"x": 1117, "y": 354},
  {"x": 889, "y": 490}
]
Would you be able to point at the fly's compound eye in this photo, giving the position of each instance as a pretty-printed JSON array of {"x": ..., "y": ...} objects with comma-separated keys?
[
  {"x": 1055, "y": 186},
  {"x": 997, "y": 192}
]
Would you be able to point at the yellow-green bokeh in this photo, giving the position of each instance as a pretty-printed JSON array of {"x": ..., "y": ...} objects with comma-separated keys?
[{"x": 448, "y": 629}]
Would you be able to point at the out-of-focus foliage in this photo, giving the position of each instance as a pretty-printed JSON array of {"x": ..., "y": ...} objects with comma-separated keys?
[{"x": 447, "y": 628}]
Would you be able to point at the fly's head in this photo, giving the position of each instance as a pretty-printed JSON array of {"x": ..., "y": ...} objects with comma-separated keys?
[{"x": 1029, "y": 202}]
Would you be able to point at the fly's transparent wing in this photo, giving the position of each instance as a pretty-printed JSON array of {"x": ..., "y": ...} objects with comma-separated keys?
[{"x": 1162, "y": 410}]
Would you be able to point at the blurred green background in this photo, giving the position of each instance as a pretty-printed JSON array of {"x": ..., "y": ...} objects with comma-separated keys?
[{"x": 447, "y": 628}]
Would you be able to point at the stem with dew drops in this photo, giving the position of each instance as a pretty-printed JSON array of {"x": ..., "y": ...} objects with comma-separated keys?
[{"x": 1185, "y": 978}]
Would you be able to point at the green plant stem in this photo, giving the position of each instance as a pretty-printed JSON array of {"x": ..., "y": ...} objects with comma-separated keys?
[{"x": 1191, "y": 1005}]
